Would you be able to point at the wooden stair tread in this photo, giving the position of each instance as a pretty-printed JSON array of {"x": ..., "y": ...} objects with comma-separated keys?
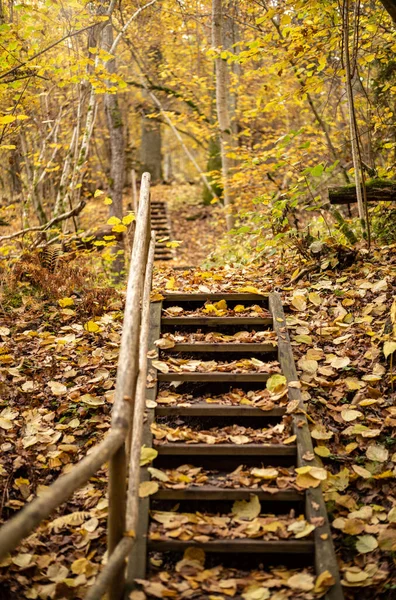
[
  {"x": 211, "y": 492},
  {"x": 214, "y": 376},
  {"x": 235, "y": 546},
  {"x": 203, "y": 409},
  {"x": 231, "y": 296},
  {"x": 264, "y": 347},
  {"x": 180, "y": 448},
  {"x": 216, "y": 321}
]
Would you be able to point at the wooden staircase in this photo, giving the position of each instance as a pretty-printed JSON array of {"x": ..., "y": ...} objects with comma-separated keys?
[
  {"x": 216, "y": 497},
  {"x": 161, "y": 225}
]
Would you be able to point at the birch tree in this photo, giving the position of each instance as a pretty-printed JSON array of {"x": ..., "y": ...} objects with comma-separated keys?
[{"x": 222, "y": 104}]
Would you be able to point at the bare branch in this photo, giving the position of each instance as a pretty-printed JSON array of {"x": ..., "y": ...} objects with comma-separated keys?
[{"x": 75, "y": 211}]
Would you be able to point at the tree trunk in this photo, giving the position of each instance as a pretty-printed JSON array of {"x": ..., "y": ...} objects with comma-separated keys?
[
  {"x": 117, "y": 152},
  {"x": 150, "y": 149},
  {"x": 222, "y": 109}
]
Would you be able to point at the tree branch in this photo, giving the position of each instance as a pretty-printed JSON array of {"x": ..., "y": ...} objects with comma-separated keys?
[
  {"x": 65, "y": 37},
  {"x": 75, "y": 211}
]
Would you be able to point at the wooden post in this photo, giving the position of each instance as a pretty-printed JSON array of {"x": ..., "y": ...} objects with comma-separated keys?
[
  {"x": 135, "y": 201},
  {"x": 127, "y": 372}
]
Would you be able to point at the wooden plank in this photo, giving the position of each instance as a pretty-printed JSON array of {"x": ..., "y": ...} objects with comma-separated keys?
[
  {"x": 226, "y": 449},
  {"x": 137, "y": 559},
  {"x": 211, "y": 492},
  {"x": 263, "y": 348},
  {"x": 203, "y": 409},
  {"x": 215, "y": 376},
  {"x": 229, "y": 546},
  {"x": 202, "y": 297},
  {"x": 325, "y": 557},
  {"x": 226, "y": 321}
]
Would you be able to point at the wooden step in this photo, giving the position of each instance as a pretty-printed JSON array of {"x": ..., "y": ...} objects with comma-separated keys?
[
  {"x": 265, "y": 347},
  {"x": 215, "y": 376},
  {"x": 202, "y": 409},
  {"x": 211, "y": 492},
  {"x": 263, "y": 321},
  {"x": 241, "y": 450},
  {"x": 229, "y": 546},
  {"x": 203, "y": 297}
]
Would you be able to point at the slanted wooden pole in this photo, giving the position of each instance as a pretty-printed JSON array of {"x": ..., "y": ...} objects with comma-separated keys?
[
  {"x": 126, "y": 381},
  {"x": 20, "y": 526},
  {"x": 116, "y": 561}
]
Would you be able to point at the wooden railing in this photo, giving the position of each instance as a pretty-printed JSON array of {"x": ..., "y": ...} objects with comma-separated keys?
[{"x": 122, "y": 445}]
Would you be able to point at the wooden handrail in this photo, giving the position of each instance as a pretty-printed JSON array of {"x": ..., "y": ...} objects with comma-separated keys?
[
  {"x": 129, "y": 399},
  {"x": 116, "y": 561}
]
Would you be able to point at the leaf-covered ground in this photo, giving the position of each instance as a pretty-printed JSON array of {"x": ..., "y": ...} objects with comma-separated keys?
[{"x": 58, "y": 358}]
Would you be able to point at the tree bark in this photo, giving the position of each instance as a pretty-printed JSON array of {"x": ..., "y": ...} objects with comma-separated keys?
[
  {"x": 117, "y": 151},
  {"x": 151, "y": 149},
  {"x": 222, "y": 110}
]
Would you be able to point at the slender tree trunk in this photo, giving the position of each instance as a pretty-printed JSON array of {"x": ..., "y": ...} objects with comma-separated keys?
[
  {"x": 150, "y": 148},
  {"x": 222, "y": 109},
  {"x": 117, "y": 151},
  {"x": 357, "y": 163}
]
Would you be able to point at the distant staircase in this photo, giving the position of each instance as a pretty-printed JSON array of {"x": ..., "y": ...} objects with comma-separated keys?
[{"x": 161, "y": 225}]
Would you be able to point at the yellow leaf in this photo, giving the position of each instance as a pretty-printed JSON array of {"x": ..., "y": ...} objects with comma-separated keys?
[
  {"x": 92, "y": 327},
  {"x": 250, "y": 289},
  {"x": 170, "y": 284},
  {"x": 247, "y": 509},
  {"x": 108, "y": 201},
  {"x": 389, "y": 348},
  {"x": 98, "y": 193},
  {"x": 119, "y": 228},
  {"x": 276, "y": 383},
  {"x": 63, "y": 302},
  {"x": 298, "y": 302},
  {"x": 239, "y": 308},
  {"x": 128, "y": 219},
  {"x": 322, "y": 451},
  {"x": 147, "y": 455},
  {"x": 315, "y": 298},
  {"x": 7, "y": 119},
  {"x": 113, "y": 221}
]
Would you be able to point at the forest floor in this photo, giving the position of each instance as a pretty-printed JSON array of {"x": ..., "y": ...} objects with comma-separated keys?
[{"x": 59, "y": 337}]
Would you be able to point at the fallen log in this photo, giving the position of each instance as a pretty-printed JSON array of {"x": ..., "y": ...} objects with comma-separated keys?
[{"x": 377, "y": 190}]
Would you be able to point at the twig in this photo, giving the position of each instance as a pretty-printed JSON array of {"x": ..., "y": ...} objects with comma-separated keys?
[
  {"x": 75, "y": 211},
  {"x": 65, "y": 37}
]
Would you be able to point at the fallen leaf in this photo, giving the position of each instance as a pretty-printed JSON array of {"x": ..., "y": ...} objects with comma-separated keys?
[
  {"x": 148, "y": 488},
  {"x": 247, "y": 509}
]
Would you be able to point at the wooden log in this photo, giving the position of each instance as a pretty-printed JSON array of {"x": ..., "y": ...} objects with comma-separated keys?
[
  {"x": 127, "y": 372},
  {"x": 138, "y": 556},
  {"x": 325, "y": 558},
  {"x": 377, "y": 190},
  {"x": 112, "y": 568}
]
